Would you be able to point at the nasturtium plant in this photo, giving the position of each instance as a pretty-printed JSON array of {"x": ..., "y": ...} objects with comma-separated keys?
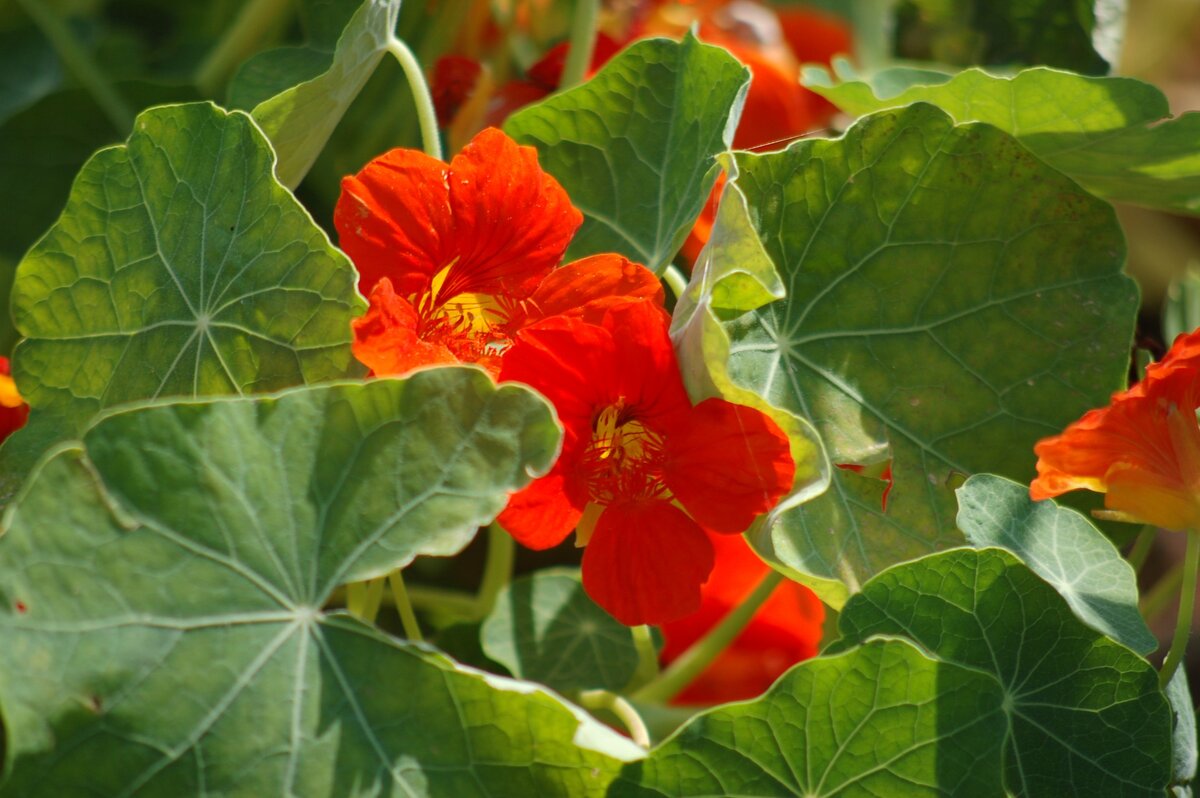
[
  {"x": 166, "y": 579},
  {"x": 616, "y": 399}
]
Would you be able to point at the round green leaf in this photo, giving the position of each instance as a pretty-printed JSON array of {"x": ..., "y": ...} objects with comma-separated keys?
[
  {"x": 1063, "y": 548},
  {"x": 180, "y": 267},
  {"x": 949, "y": 301},
  {"x": 1085, "y": 716},
  {"x": 635, "y": 145},
  {"x": 1113, "y": 135},
  {"x": 545, "y": 628},
  {"x": 161, "y": 596},
  {"x": 880, "y": 720}
]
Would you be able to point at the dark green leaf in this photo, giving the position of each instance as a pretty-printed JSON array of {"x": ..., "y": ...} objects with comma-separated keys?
[
  {"x": 635, "y": 146},
  {"x": 949, "y": 301},
  {"x": 1085, "y": 715},
  {"x": 1063, "y": 548},
  {"x": 545, "y": 628},
  {"x": 1113, "y": 135},
  {"x": 166, "y": 584},
  {"x": 881, "y": 720}
]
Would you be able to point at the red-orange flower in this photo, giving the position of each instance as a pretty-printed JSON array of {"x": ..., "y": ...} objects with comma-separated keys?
[
  {"x": 643, "y": 473},
  {"x": 456, "y": 257},
  {"x": 785, "y": 630},
  {"x": 13, "y": 410},
  {"x": 1142, "y": 451}
]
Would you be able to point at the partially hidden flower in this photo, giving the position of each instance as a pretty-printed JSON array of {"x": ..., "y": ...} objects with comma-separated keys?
[
  {"x": 786, "y": 629},
  {"x": 643, "y": 473},
  {"x": 1142, "y": 451},
  {"x": 456, "y": 257},
  {"x": 14, "y": 412}
]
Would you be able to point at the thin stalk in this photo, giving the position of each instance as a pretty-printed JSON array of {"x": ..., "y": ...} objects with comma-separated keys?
[
  {"x": 1159, "y": 597},
  {"x": 437, "y": 599},
  {"x": 647, "y": 667},
  {"x": 630, "y": 719},
  {"x": 356, "y": 595},
  {"x": 1187, "y": 602},
  {"x": 675, "y": 280},
  {"x": 582, "y": 43},
  {"x": 692, "y": 662},
  {"x": 80, "y": 64},
  {"x": 497, "y": 570},
  {"x": 373, "y": 599},
  {"x": 1142, "y": 546},
  {"x": 426, "y": 114},
  {"x": 240, "y": 40},
  {"x": 408, "y": 618}
]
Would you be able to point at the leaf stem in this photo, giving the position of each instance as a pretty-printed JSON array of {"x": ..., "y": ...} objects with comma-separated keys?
[
  {"x": 647, "y": 667},
  {"x": 1164, "y": 591},
  {"x": 675, "y": 280},
  {"x": 408, "y": 618},
  {"x": 81, "y": 65},
  {"x": 240, "y": 39},
  {"x": 630, "y": 719},
  {"x": 1142, "y": 546},
  {"x": 692, "y": 662},
  {"x": 363, "y": 599},
  {"x": 439, "y": 599},
  {"x": 1187, "y": 603},
  {"x": 426, "y": 114},
  {"x": 582, "y": 43},
  {"x": 497, "y": 570}
]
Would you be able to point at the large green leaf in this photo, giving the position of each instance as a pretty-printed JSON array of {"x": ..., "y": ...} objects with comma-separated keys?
[
  {"x": 544, "y": 627},
  {"x": 180, "y": 267},
  {"x": 881, "y": 720},
  {"x": 1085, "y": 716},
  {"x": 635, "y": 145},
  {"x": 162, "y": 594},
  {"x": 1060, "y": 33},
  {"x": 299, "y": 120},
  {"x": 1113, "y": 135},
  {"x": 1063, "y": 548},
  {"x": 949, "y": 301}
]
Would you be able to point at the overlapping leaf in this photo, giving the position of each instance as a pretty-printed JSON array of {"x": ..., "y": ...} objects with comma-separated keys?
[
  {"x": 162, "y": 593},
  {"x": 1063, "y": 548},
  {"x": 1084, "y": 714},
  {"x": 180, "y": 267},
  {"x": 1113, "y": 135},
  {"x": 544, "y": 627},
  {"x": 949, "y": 301},
  {"x": 880, "y": 720},
  {"x": 635, "y": 145},
  {"x": 299, "y": 120}
]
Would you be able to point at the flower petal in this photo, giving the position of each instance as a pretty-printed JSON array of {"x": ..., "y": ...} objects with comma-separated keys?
[
  {"x": 545, "y": 511},
  {"x": 1151, "y": 498},
  {"x": 512, "y": 221},
  {"x": 728, "y": 464},
  {"x": 386, "y": 338},
  {"x": 645, "y": 372},
  {"x": 393, "y": 220},
  {"x": 646, "y": 562},
  {"x": 588, "y": 287}
]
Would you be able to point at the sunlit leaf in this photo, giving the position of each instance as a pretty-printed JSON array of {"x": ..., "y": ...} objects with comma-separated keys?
[
  {"x": 635, "y": 145},
  {"x": 1085, "y": 716},
  {"x": 1183, "y": 737},
  {"x": 882, "y": 719},
  {"x": 949, "y": 301},
  {"x": 166, "y": 584}
]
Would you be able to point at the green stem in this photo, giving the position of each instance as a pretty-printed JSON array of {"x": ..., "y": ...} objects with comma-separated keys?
[
  {"x": 647, "y": 667},
  {"x": 408, "y": 618},
  {"x": 582, "y": 43},
  {"x": 1142, "y": 546},
  {"x": 692, "y": 662},
  {"x": 1159, "y": 597},
  {"x": 675, "y": 280},
  {"x": 1187, "y": 602},
  {"x": 80, "y": 64},
  {"x": 426, "y": 114},
  {"x": 603, "y": 699},
  {"x": 497, "y": 571},
  {"x": 438, "y": 599},
  {"x": 239, "y": 41}
]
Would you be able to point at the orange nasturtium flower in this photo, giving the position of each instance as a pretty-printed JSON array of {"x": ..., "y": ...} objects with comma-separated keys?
[
  {"x": 643, "y": 473},
  {"x": 13, "y": 410},
  {"x": 456, "y": 257},
  {"x": 1142, "y": 451},
  {"x": 786, "y": 629}
]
